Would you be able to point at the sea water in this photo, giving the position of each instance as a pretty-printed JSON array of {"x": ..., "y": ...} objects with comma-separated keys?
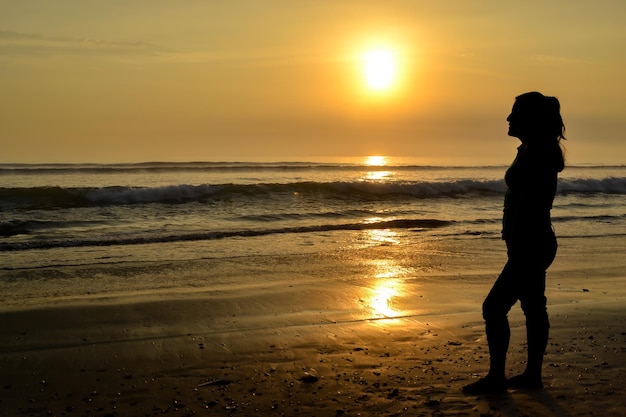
[{"x": 87, "y": 214}]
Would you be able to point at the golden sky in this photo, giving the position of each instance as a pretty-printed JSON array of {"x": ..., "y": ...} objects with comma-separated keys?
[{"x": 160, "y": 80}]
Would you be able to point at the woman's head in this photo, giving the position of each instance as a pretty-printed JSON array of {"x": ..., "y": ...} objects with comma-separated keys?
[{"x": 536, "y": 117}]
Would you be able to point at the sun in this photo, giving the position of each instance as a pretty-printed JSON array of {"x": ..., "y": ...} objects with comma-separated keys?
[{"x": 380, "y": 69}]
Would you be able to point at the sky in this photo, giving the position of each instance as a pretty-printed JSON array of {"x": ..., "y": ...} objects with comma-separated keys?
[{"x": 197, "y": 80}]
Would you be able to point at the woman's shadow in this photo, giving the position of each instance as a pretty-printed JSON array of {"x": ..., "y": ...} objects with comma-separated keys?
[{"x": 516, "y": 403}]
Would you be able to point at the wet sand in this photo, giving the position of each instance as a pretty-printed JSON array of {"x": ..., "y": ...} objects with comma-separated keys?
[{"x": 358, "y": 345}]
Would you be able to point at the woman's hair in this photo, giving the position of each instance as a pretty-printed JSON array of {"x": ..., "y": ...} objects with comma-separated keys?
[{"x": 542, "y": 115}]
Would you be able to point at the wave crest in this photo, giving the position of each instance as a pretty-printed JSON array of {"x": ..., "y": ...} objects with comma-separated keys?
[{"x": 51, "y": 197}]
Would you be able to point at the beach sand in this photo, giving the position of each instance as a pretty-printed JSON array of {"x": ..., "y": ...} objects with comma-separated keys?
[{"x": 371, "y": 332}]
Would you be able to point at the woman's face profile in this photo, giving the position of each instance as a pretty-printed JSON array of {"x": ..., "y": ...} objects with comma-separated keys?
[
  {"x": 518, "y": 121},
  {"x": 514, "y": 121}
]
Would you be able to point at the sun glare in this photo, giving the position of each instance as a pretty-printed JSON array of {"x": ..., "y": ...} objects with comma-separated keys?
[
  {"x": 376, "y": 161},
  {"x": 380, "y": 69}
]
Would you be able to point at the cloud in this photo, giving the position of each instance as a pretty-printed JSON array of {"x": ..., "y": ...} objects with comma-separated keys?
[
  {"x": 37, "y": 45},
  {"x": 554, "y": 59},
  {"x": 14, "y": 43}
]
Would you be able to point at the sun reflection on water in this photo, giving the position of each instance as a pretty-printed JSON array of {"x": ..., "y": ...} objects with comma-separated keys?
[
  {"x": 382, "y": 300},
  {"x": 378, "y": 175},
  {"x": 387, "y": 287},
  {"x": 382, "y": 236},
  {"x": 377, "y": 171},
  {"x": 376, "y": 160}
]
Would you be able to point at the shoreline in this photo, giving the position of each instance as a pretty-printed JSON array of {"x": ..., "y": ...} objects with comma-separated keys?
[
  {"x": 375, "y": 331},
  {"x": 170, "y": 356}
]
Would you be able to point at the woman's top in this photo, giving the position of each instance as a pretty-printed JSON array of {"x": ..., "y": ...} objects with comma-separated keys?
[{"x": 531, "y": 185}]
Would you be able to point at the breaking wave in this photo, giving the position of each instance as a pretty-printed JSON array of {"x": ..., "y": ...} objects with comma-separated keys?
[{"x": 51, "y": 197}]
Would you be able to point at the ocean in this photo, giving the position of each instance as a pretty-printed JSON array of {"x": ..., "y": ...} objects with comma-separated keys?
[
  {"x": 94, "y": 217},
  {"x": 146, "y": 288}
]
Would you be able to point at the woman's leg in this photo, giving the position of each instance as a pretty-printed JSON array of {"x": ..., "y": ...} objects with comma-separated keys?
[
  {"x": 534, "y": 303},
  {"x": 496, "y": 307},
  {"x": 537, "y": 330}
]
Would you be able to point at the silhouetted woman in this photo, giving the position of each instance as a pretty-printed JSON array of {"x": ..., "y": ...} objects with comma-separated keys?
[{"x": 530, "y": 241}]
